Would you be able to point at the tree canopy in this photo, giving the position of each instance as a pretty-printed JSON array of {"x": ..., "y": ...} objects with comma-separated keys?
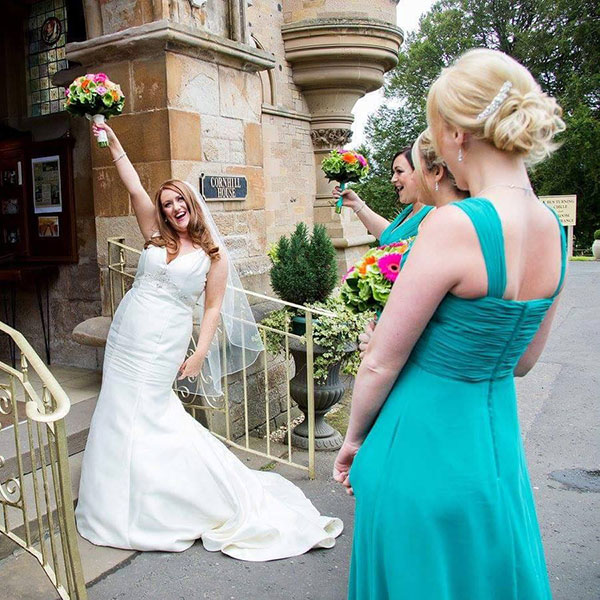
[{"x": 557, "y": 40}]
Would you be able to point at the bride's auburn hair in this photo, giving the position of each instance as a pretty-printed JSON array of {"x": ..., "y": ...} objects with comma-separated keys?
[
  {"x": 525, "y": 122},
  {"x": 197, "y": 229}
]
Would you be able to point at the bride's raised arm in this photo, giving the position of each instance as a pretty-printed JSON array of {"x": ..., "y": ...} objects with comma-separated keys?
[{"x": 143, "y": 206}]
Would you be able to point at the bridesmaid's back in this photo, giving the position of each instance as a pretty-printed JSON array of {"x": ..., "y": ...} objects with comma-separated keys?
[{"x": 481, "y": 329}]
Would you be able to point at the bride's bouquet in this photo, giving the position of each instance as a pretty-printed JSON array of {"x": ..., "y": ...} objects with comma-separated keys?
[
  {"x": 96, "y": 97},
  {"x": 367, "y": 285},
  {"x": 344, "y": 166}
]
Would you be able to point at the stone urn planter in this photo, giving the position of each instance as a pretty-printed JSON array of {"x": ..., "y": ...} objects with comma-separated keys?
[
  {"x": 596, "y": 249},
  {"x": 327, "y": 394}
]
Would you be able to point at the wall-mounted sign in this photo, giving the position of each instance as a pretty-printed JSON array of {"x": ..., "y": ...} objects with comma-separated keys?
[
  {"x": 47, "y": 194},
  {"x": 565, "y": 207},
  {"x": 223, "y": 187}
]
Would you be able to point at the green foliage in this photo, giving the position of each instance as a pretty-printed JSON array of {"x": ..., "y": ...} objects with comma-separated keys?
[
  {"x": 337, "y": 335},
  {"x": 557, "y": 40},
  {"x": 304, "y": 268},
  {"x": 597, "y": 234}
]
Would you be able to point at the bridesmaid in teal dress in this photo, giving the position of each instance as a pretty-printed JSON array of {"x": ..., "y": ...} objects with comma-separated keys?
[
  {"x": 433, "y": 453},
  {"x": 406, "y": 224}
]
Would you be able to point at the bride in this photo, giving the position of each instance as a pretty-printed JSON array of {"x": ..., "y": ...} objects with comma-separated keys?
[{"x": 152, "y": 477}]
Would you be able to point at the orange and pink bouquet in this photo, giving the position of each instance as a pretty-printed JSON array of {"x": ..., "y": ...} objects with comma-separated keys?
[
  {"x": 367, "y": 285},
  {"x": 344, "y": 166},
  {"x": 96, "y": 97}
]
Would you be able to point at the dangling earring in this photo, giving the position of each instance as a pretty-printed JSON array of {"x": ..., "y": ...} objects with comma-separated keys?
[
  {"x": 460, "y": 155},
  {"x": 437, "y": 186}
]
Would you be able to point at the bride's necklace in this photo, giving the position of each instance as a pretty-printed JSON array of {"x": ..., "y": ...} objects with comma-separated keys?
[{"x": 527, "y": 190}]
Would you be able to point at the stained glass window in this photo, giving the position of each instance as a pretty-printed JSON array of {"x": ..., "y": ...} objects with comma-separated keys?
[{"x": 46, "y": 37}]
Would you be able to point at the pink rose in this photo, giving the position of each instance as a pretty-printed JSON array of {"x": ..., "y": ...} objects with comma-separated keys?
[{"x": 100, "y": 77}]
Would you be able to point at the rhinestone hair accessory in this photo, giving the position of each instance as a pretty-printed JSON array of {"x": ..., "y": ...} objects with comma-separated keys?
[{"x": 494, "y": 105}]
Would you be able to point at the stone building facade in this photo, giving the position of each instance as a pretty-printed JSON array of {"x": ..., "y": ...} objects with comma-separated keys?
[{"x": 260, "y": 89}]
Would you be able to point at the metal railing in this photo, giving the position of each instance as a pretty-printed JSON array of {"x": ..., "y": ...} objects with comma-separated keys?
[
  {"x": 121, "y": 275},
  {"x": 36, "y": 502}
]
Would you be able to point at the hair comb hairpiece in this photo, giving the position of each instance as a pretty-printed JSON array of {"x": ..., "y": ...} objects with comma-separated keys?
[{"x": 494, "y": 105}]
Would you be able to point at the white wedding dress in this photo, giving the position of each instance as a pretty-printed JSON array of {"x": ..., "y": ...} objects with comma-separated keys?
[{"x": 152, "y": 477}]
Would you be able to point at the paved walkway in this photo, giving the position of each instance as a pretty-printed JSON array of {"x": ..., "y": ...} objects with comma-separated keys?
[{"x": 560, "y": 417}]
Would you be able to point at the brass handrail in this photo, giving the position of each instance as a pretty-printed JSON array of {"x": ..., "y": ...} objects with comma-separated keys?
[
  {"x": 35, "y": 405},
  {"x": 40, "y": 518},
  {"x": 115, "y": 241},
  {"x": 118, "y": 268}
]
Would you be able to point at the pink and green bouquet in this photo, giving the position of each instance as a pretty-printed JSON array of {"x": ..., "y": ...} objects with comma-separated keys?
[
  {"x": 96, "y": 97},
  {"x": 344, "y": 166},
  {"x": 367, "y": 285}
]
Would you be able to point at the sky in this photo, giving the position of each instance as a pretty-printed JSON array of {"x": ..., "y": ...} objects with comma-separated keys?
[{"x": 407, "y": 17}]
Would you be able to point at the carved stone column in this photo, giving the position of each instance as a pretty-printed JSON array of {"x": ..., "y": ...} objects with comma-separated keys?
[{"x": 335, "y": 62}]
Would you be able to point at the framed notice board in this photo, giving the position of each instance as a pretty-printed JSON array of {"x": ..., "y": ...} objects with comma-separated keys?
[{"x": 37, "y": 204}]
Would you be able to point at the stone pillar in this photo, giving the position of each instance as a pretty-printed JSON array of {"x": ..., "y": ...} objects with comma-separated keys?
[
  {"x": 192, "y": 99},
  {"x": 336, "y": 61}
]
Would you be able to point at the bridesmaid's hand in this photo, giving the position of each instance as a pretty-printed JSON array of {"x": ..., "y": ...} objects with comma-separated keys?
[
  {"x": 191, "y": 367},
  {"x": 365, "y": 337},
  {"x": 349, "y": 197},
  {"x": 343, "y": 462}
]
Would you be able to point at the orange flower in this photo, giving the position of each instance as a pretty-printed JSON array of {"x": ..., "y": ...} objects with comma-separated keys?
[
  {"x": 85, "y": 83},
  {"x": 362, "y": 268},
  {"x": 349, "y": 157},
  {"x": 115, "y": 95}
]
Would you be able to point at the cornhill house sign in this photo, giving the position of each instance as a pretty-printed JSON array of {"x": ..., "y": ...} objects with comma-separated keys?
[{"x": 223, "y": 187}]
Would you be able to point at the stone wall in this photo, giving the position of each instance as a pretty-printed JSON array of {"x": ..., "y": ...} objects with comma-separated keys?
[
  {"x": 118, "y": 15},
  {"x": 299, "y": 10},
  {"x": 287, "y": 146}
]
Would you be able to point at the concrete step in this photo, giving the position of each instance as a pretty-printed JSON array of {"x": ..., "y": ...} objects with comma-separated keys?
[{"x": 23, "y": 577}]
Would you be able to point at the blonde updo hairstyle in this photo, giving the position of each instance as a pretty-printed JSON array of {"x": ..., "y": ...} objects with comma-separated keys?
[
  {"x": 425, "y": 157},
  {"x": 525, "y": 122}
]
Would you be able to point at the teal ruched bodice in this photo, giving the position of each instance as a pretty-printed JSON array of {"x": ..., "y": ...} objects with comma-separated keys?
[
  {"x": 444, "y": 507},
  {"x": 403, "y": 226},
  {"x": 487, "y": 346},
  {"x": 482, "y": 338}
]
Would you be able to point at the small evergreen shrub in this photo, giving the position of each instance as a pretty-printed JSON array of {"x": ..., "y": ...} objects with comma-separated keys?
[
  {"x": 304, "y": 267},
  {"x": 597, "y": 234}
]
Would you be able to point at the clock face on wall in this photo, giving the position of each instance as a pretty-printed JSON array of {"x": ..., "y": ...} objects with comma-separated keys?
[{"x": 50, "y": 31}]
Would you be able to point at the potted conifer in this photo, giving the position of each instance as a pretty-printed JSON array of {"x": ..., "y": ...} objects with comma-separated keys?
[{"x": 304, "y": 272}]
